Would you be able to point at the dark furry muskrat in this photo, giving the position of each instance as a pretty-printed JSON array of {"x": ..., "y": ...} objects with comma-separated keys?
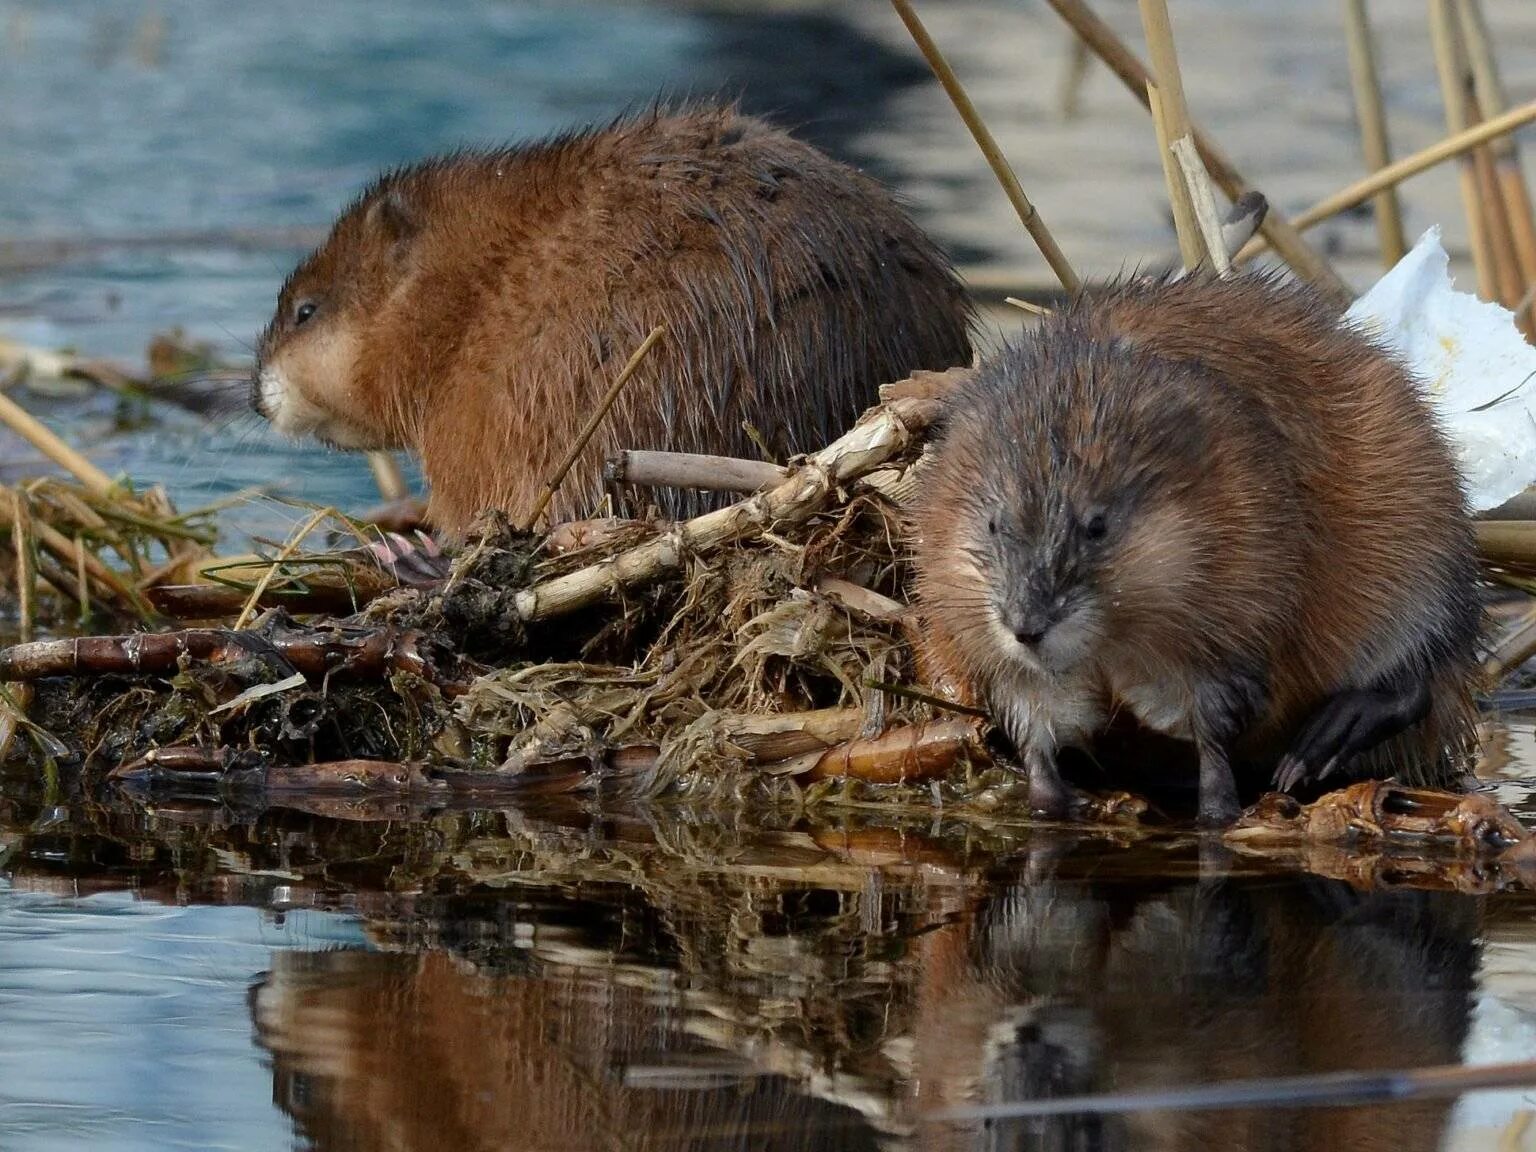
[
  {"x": 1212, "y": 503},
  {"x": 474, "y": 308}
]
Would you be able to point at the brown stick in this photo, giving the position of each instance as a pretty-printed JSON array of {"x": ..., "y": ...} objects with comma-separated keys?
[
  {"x": 901, "y": 755},
  {"x": 356, "y": 651},
  {"x": 879, "y": 437},
  {"x": 1373, "y": 128},
  {"x": 1134, "y": 75},
  {"x": 1170, "y": 117},
  {"x": 1458, "y": 118},
  {"x": 691, "y": 470},
  {"x": 552, "y": 485},
  {"x": 1028, "y": 216},
  {"x": 1362, "y": 190}
]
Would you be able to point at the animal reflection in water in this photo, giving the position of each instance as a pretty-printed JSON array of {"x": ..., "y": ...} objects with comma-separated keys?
[{"x": 795, "y": 1018}]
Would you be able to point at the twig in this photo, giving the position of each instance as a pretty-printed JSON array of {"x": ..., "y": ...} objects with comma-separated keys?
[
  {"x": 1374, "y": 141},
  {"x": 1203, "y": 201},
  {"x": 26, "y": 571},
  {"x": 287, "y": 551},
  {"x": 24, "y": 424},
  {"x": 1000, "y": 168},
  {"x": 1442, "y": 28},
  {"x": 1329, "y": 1088},
  {"x": 691, "y": 470},
  {"x": 356, "y": 651},
  {"x": 1026, "y": 306},
  {"x": 879, "y": 437},
  {"x": 553, "y": 483},
  {"x": 1170, "y": 117},
  {"x": 1285, "y": 238},
  {"x": 908, "y": 753},
  {"x": 1513, "y": 648},
  {"x": 388, "y": 477},
  {"x": 1393, "y": 174}
]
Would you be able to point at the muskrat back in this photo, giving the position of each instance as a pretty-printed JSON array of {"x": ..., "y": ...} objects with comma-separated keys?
[
  {"x": 473, "y": 308},
  {"x": 1212, "y": 503}
]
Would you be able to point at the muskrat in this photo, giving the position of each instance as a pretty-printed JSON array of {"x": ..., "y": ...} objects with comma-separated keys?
[
  {"x": 474, "y": 307},
  {"x": 1212, "y": 503}
]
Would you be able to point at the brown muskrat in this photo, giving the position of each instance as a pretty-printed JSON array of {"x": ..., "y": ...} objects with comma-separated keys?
[
  {"x": 473, "y": 308},
  {"x": 1211, "y": 503}
]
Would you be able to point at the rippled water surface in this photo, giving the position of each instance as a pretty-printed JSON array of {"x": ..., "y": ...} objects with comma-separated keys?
[{"x": 203, "y": 974}]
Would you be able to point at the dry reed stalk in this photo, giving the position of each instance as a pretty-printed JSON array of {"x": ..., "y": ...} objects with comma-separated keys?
[
  {"x": 1513, "y": 190},
  {"x": 388, "y": 477},
  {"x": 1028, "y": 215},
  {"x": 15, "y": 702},
  {"x": 881, "y": 435},
  {"x": 1280, "y": 233},
  {"x": 1512, "y": 649},
  {"x": 1170, "y": 119},
  {"x": 1458, "y": 119},
  {"x": 26, "y": 571},
  {"x": 1374, "y": 141},
  {"x": 552, "y": 485},
  {"x": 27, "y": 426},
  {"x": 1506, "y": 542},
  {"x": 1501, "y": 241},
  {"x": 901, "y": 755},
  {"x": 1202, "y": 198},
  {"x": 80, "y": 558},
  {"x": 1026, "y": 306},
  {"x": 287, "y": 551},
  {"x": 646, "y": 469},
  {"x": 1456, "y": 145}
]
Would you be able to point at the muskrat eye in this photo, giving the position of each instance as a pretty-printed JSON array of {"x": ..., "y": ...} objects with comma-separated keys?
[
  {"x": 1095, "y": 527},
  {"x": 992, "y": 526},
  {"x": 304, "y": 310}
]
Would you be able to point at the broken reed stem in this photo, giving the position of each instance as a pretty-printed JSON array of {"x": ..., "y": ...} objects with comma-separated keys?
[
  {"x": 646, "y": 469},
  {"x": 1509, "y": 175},
  {"x": 388, "y": 477},
  {"x": 1280, "y": 233},
  {"x": 1490, "y": 202},
  {"x": 1028, "y": 215},
  {"x": 1374, "y": 142},
  {"x": 26, "y": 571},
  {"x": 1453, "y": 95},
  {"x": 552, "y": 485},
  {"x": 1513, "y": 648},
  {"x": 287, "y": 550},
  {"x": 1170, "y": 119},
  {"x": 1027, "y": 306},
  {"x": 1202, "y": 198},
  {"x": 881, "y": 435},
  {"x": 1409, "y": 166},
  {"x": 27, "y": 426},
  {"x": 68, "y": 553}
]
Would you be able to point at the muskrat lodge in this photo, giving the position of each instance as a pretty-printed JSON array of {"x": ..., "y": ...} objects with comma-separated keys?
[{"x": 733, "y": 516}]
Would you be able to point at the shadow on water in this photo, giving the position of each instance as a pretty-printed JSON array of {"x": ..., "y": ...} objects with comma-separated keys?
[{"x": 565, "y": 978}]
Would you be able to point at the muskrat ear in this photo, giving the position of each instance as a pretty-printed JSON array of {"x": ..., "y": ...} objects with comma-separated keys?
[{"x": 391, "y": 216}]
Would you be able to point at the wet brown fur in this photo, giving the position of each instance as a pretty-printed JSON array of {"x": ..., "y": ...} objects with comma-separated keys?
[
  {"x": 1295, "y": 525},
  {"x": 474, "y": 308}
]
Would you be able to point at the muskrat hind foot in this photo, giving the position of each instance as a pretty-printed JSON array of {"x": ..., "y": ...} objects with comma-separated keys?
[{"x": 1346, "y": 725}]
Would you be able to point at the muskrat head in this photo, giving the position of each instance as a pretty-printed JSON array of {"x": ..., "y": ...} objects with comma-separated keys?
[
  {"x": 307, "y": 380},
  {"x": 1066, "y": 467}
]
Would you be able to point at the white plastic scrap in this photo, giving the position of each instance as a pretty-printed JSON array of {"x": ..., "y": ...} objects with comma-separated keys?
[{"x": 1477, "y": 369}]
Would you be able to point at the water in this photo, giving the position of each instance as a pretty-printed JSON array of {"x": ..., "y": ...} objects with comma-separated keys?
[{"x": 181, "y": 973}]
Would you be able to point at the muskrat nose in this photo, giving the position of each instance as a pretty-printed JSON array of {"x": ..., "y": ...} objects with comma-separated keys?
[
  {"x": 1030, "y": 634},
  {"x": 1029, "y": 625}
]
